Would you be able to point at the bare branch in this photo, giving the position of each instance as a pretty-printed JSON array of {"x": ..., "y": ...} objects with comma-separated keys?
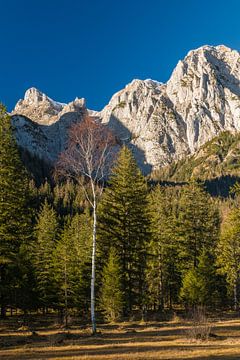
[{"x": 88, "y": 154}]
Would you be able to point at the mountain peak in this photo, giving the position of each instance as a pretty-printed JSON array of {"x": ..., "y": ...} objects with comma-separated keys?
[
  {"x": 223, "y": 48},
  {"x": 160, "y": 122},
  {"x": 34, "y": 96},
  {"x": 211, "y": 48},
  {"x": 38, "y": 107}
]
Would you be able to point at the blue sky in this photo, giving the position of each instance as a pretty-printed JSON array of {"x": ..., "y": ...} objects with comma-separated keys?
[{"x": 93, "y": 48}]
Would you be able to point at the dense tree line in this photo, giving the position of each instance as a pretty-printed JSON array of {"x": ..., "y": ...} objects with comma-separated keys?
[{"x": 157, "y": 246}]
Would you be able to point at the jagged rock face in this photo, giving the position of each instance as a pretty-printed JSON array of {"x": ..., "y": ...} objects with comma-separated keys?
[
  {"x": 143, "y": 116},
  {"x": 41, "y": 109},
  {"x": 38, "y": 107},
  {"x": 42, "y": 125},
  {"x": 168, "y": 121},
  {"x": 205, "y": 89},
  {"x": 160, "y": 122}
]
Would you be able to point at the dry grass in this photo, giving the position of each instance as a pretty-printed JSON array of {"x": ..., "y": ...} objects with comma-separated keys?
[{"x": 125, "y": 341}]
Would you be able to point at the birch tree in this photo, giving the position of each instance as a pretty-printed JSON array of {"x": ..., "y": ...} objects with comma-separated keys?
[{"x": 87, "y": 160}]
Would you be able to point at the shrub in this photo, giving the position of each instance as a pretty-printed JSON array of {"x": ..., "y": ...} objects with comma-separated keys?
[{"x": 200, "y": 329}]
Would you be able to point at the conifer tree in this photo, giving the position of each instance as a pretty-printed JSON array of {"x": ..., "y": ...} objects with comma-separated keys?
[
  {"x": 80, "y": 232},
  {"x": 62, "y": 262},
  {"x": 124, "y": 225},
  {"x": 15, "y": 216},
  {"x": 228, "y": 253},
  {"x": 72, "y": 265},
  {"x": 200, "y": 283},
  {"x": 112, "y": 292},
  {"x": 163, "y": 276},
  {"x": 198, "y": 226},
  {"x": 46, "y": 233}
]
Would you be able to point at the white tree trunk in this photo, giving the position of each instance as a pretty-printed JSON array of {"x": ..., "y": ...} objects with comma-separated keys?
[{"x": 93, "y": 266}]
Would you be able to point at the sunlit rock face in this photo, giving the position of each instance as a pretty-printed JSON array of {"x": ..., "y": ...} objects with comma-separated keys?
[
  {"x": 160, "y": 122},
  {"x": 42, "y": 124},
  {"x": 168, "y": 121},
  {"x": 143, "y": 115},
  {"x": 205, "y": 90}
]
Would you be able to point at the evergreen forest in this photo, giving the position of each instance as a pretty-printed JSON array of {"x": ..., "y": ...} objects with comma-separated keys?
[{"x": 160, "y": 246}]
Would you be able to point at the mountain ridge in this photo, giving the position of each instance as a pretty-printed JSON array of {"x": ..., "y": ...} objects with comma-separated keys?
[{"x": 161, "y": 122}]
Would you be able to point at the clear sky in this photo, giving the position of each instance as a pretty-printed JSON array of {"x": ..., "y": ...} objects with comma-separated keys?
[{"x": 93, "y": 48}]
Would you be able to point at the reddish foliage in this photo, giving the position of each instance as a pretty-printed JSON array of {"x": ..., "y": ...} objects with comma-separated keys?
[{"x": 89, "y": 151}]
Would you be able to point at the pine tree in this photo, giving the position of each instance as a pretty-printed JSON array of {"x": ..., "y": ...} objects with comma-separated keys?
[
  {"x": 198, "y": 226},
  {"x": 229, "y": 253},
  {"x": 163, "y": 276},
  {"x": 72, "y": 264},
  {"x": 200, "y": 283},
  {"x": 124, "y": 225},
  {"x": 80, "y": 232},
  {"x": 112, "y": 292},
  {"x": 15, "y": 215},
  {"x": 46, "y": 233},
  {"x": 62, "y": 261}
]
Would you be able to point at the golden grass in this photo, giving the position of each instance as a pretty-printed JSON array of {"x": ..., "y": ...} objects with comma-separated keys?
[{"x": 126, "y": 341}]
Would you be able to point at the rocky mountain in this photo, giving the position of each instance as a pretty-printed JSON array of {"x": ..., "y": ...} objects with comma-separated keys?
[
  {"x": 168, "y": 121},
  {"x": 42, "y": 124},
  {"x": 162, "y": 123}
]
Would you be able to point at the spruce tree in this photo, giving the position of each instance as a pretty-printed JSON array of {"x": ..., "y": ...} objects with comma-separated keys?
[
  {"x": 228, "y": 253},
  {"x": 163, "y": 276},
  {"x": 198, "y": 224},
  {"x": 200, "y": 284},
  {"x": 124, "y": 225},
  {"x": 15, "y": 215},
  {"x": 72, "y": 265},
  {"x": 62, "y": 262},
  {"x": 80, "y": 232},
  {"x": 46, "y": 233},
  {"x": 111, "y": 292}
]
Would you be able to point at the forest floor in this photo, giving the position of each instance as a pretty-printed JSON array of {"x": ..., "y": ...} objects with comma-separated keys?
[{"x": 125, "y": 341}]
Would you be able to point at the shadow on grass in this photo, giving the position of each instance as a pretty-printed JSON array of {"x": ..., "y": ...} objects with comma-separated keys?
[
  {"x": 216, "y": 357},
  {"x": 136, "y": 341},
  {"x": 126, "y": 351}
]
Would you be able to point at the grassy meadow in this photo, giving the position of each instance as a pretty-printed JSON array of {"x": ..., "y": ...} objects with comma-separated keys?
[{"x": 125, "y": 340}]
